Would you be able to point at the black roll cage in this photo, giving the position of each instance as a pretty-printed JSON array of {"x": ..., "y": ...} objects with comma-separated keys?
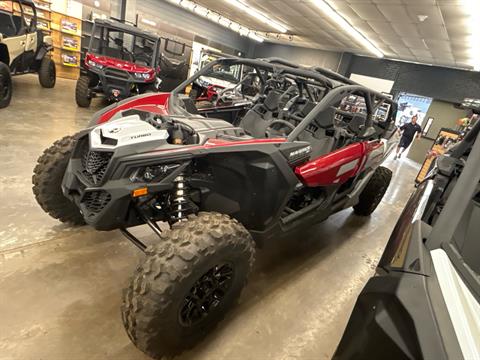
[
  {"x": 33, "y": 21},
  {"x": 336, "y": 85},
  {"x": 111, "y": 25}
]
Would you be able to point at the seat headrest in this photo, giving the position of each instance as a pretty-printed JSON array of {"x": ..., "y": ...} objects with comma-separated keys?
[
  {"x": 357, "y": 124},
  {"x": 272, "y": 100},
  {"x": 326, "y": 118}
]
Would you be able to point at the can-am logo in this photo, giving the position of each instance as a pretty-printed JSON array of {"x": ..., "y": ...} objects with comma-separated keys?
[
  {"x": 301, "y": 151},
  {"x": 114, "y": 130},
  {"x": 140, "y": 136}
]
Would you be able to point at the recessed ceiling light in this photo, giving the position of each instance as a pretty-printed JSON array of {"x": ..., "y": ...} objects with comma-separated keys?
[
  {"x": 257, "y": 15},
  {"x": 472, "y": 8},
  {"x": 422, "y": 18},
  {"x": 217, "y": 18},
  {"x": 345, "y": 25}
]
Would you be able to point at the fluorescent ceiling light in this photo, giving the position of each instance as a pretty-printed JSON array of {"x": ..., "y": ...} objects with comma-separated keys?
[
  {"x": 345, "y": 25},
  {"x": 257, "y": 15},
  {"x": 472, "y": 8},
  {"x": 217, "y": 18},
  {"x": 255, "y": 37}
]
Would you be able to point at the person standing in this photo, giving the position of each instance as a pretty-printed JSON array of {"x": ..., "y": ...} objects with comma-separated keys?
[{"x": 408, "y": 133}]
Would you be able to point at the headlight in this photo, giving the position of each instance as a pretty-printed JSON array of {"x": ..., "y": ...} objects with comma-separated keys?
[
  {"x": 152, "y": 173},
  {"x": 94, "y": 64},
  {"x": 142, "y": 76}
]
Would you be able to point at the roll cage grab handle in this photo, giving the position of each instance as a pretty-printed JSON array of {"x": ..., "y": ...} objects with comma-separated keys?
[{"x": 337, "y": 85}]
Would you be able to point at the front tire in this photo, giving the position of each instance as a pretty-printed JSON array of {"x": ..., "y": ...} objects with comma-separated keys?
[
  {"x": 47, "y": 180},
  {"x": 374, "y": 191},
  {"x": 187, "y": 284},
  {"x": 47, "y": 73},
  {"x": 6, "y": 86},
  {"x": 82, "y": 92}
]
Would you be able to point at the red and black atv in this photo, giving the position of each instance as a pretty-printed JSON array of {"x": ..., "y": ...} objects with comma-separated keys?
[
  {"x": 122, "y": 61},
  {"x": 293, "y": 160}
]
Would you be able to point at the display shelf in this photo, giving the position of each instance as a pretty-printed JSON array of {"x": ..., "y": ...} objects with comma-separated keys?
[
  {"x": 67, "y": 41},
  {"x": 67, "y": 49}
]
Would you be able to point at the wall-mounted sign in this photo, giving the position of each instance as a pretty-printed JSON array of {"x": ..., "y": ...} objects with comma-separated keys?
[{"x": 410, "y": 105}]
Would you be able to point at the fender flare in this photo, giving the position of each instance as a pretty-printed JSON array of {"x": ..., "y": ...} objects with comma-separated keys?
[{"x": 41, "y": 53}]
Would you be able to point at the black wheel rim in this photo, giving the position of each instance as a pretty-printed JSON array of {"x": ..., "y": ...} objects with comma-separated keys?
[{"x": 206, "y": 294}]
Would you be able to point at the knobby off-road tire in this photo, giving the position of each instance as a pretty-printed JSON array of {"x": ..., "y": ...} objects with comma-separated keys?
[
  {"x": 176, "y": 272},
  {"x": 373, "y": 193},
  {"x": 82, "y": 92},
  {"x": 6, "y": 86},
  {"x": 47, "y": 73},
  {"x": 47, "y": 180}
]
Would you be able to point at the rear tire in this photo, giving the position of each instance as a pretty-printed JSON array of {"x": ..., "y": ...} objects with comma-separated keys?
[
  {"x": 47, "y": 73},
  {"x": 6, "y": 86},
  {"x": 82, "y": 92},
  {"x": 187, "y": 283},
  {"x": 47, "y": 180},
  {"x": 374, "y": 191}
]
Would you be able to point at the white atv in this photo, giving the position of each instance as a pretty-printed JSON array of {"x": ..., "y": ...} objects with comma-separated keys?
[{"x": 23, "y": 48}]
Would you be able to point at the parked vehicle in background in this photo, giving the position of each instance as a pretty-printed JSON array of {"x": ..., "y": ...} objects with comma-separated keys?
[
  {"x": 424, "y": 300},
  {"x": 293, "y": 160},
  {"x": 23, "y": 48},
  {"x": 122, "y": 61}
]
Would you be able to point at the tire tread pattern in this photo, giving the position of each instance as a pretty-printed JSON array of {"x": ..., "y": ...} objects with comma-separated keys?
[
  {"x": 47, "y": 178},
  {"x": 81, "y": 91},
  {"x": 44, "y": 75},
  {"x": 149, "y": 296},
  {"x": 373, "y": 192}
]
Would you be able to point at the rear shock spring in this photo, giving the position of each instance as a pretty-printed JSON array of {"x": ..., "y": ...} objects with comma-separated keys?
[{"x": 180, "y": 205}]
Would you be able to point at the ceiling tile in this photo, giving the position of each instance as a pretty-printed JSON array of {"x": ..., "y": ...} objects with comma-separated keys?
[
  {"x": 367, "y": 11},
  {"x": 395, "y": 13},
  {"x": 414, "y": 43},
  {"x": 382, "y": 27},
  {"x": 406, "y": 29},
  {"x": 434, "y": 32},
  {"x": 393, "y": 25},
  {"x": 433, "y": 13}
]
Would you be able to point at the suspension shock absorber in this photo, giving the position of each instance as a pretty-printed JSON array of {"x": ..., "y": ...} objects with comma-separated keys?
[{"x": 180, "y": 205}]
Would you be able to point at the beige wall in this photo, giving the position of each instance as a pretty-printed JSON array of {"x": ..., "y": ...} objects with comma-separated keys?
[{"x": 445, "y": 116}]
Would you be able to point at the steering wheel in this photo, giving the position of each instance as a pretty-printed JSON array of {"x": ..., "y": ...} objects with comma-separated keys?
[{"x": 279, "y": 128}]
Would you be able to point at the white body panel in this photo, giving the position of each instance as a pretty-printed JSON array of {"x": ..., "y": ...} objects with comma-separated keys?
[
  {"x": 126, "y": 131},
  {"x": 31, "y": 42},
  {"x": 462, "y": 306},
  {"x": 15, "y": 46}
]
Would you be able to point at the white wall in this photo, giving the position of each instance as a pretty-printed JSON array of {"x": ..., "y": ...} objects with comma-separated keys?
[{"x": 299, "y": 55}]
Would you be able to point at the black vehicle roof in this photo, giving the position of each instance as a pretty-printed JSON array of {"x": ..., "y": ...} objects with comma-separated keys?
[
  {"x": 26, "y": 2},
  {"x": 117, "y": 25}
]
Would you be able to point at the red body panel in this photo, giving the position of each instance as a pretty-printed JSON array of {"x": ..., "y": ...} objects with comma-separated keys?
[
  {"x": 156, "y": 103},
  {"x": 220, "y": 142},
  {"x": 118, "y": 64},
  {"x": 338, "y": 166},
  {"x": 216, "y": 143}
]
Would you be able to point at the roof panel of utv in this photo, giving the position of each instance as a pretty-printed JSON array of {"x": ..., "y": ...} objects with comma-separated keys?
[
  {"x": 117, "y": 25},
  {"x": 27, "y": 2}
]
